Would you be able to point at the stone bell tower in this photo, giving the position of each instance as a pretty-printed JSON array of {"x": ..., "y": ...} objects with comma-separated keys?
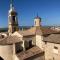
[
  {"x": 12, "y": 19},
  {"x": 37, "y": 21}
]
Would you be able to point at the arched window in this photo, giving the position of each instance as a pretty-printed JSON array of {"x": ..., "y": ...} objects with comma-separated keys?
[
  {"x": 35, "y": 22},
  {"x": 18, "y": 47},
  {"x": 30, "y": 43},
  {"x": 13, "y": 18},
  {"x": 2, "y": 36},
  {"x": 1, "y": 58}
]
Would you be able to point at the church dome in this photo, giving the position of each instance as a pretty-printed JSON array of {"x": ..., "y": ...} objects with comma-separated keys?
[{"x": 37, "y": 17}]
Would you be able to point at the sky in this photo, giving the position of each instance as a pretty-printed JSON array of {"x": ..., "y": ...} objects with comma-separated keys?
[{"x": 48, "y": 10}]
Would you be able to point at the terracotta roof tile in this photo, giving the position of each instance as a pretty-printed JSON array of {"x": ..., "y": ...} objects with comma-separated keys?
[
  {"x": 53, "y": 38},
  {"x": 31, "y": 52},
  {"x": 10, "y": 40},
  {"x": 37, "y": 30}
]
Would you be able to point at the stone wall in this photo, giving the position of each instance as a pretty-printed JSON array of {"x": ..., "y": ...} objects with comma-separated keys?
[{"x": 52, "y": 51}]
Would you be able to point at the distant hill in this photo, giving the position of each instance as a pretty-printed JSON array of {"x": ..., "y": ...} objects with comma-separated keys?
[
  {"x": 20, "y": 27},
  {"x": 24, "y": 28},
  {"x": 3, "y": 29}
]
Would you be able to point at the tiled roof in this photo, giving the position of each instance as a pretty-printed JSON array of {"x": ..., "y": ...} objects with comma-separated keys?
[
  {"x": 53, "y": 38},
  {"x": 48, "y": 31},
  {"x": 31, "y": 31},
  {"x": 37, "y": 30},
  {"x": 29, "y": 53},
  {"x": 10, "y": 40}
]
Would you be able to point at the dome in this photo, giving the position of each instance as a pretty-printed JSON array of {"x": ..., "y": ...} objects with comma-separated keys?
[{"x": 37, "y": 17}]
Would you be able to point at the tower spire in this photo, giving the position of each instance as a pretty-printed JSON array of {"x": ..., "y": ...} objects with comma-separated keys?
[
  {"x": 11, "y": 4},
  {"x": 37, "y": 14},
  {"x": 12, "y": 17}
]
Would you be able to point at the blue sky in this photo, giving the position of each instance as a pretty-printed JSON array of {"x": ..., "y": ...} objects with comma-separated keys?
[{"x": 48, "y": 10}]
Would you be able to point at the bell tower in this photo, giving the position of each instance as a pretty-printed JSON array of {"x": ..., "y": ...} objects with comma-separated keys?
[
  {"x": 37, "y": 21},
  {"x": 12, "y": 19}
]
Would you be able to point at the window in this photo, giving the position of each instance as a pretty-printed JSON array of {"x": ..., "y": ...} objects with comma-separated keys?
[
  {"x": 30, "y": 43},
  {"x": 55, "y": 50},
  {"x": 18, "y": 47},
  {"x": 55, "y": 47},
  {"x": 13, "y": 18},
  {"x": 2, "y": 36},
  {"x": 45, "y": 42},
  {"x": 35, "y": 22}
]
